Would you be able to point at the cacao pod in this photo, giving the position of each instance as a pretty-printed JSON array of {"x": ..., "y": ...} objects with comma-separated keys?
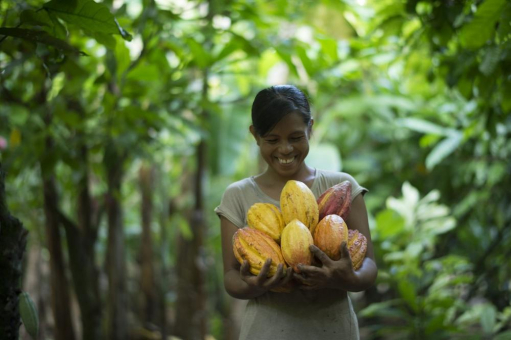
[
  {"x": 295, "y": 242},
  {"x": 330, "y": 232},
  {"x": 298, "y": 202},
  {"x": 256, "y": 247},
  {"x": 267, "y": 218},
  {"x": 357, "y": 246},
  {"x": 336, "y": 200}
]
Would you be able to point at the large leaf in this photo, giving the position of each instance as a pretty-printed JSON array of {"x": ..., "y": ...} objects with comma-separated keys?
[
  {"x": 476, "y": 33},
  {"x": 88, "y": 15},
  {"x": 40, "y": 37},
  {"x": 443, "y": 149}
]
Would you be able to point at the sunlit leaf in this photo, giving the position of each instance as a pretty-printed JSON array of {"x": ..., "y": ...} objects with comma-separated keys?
[
  {"x": 476, "y": 33},
  {"x": 88, "y": 15}
]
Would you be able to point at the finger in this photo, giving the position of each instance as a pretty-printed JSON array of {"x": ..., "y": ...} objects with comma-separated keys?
[
  {"x": 263, "y": 274},
  {"x": 320, "y": 255},
  {"x": 276, "y": 277},
  {"x": 245, "y": 268},
  {"x": 289, "y": 275},
  {"x": 309, "y": 270},
  {"x": 301, "y": 279},
  {"x": 345, "y": 253}
]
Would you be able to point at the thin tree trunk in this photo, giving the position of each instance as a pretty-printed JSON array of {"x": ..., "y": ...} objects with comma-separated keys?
[
  {"x": 191, "y": 318},
  {"x": 13, "y": 240},
  {"x": 117, "y": 326},
  {"x": 59, "y": 283},
  {"x": 147, "y": 279}
]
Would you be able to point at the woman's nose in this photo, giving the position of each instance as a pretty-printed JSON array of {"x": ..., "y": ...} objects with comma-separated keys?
[{"x": 285, "y": 148}]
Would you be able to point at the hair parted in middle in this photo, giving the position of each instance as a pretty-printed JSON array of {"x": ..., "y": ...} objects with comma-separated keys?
[{"x": 273, "y": 103}]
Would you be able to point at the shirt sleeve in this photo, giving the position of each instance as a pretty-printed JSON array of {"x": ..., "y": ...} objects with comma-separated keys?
[
  {"x": 231, "y": 206},
  {"x": 356, "y": 188}
]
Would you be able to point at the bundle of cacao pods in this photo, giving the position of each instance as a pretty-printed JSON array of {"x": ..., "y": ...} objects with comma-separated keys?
[{"x": 285, "y": 235}]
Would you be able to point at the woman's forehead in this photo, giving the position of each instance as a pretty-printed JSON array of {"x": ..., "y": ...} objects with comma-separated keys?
[{"x": 290, "y": 123}]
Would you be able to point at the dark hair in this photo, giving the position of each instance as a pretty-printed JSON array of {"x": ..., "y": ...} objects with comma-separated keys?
[{"x": 272, "y": 104}]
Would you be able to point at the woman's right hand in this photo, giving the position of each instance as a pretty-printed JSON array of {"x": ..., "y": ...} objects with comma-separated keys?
[{"x": 261, "y": 283}]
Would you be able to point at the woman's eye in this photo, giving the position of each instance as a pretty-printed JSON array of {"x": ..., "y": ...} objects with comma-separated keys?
[
  {"x": 272, "y": 141},
  {"x": 295, "y": 139}
]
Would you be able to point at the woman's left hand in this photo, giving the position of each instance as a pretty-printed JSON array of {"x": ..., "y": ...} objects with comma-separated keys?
[{"x": 330, "y": 273}]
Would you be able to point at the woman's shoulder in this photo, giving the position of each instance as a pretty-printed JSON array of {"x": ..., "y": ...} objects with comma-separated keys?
[
  {"x": 326, "y": 179},
  {"x": 334, "y": 177},
  {"x": 240, "y": 186}
]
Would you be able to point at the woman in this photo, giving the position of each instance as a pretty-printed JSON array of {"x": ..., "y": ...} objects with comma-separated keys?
[{"x": 320, "y": 307}]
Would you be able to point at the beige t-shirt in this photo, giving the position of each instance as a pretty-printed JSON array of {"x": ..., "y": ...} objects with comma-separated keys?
[{"x": 318, "y": 315}]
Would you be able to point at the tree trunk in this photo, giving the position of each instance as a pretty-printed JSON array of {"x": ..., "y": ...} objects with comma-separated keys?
[
  {"x": 117, "y": 326},
  {"x": 191, "y": 318},
  {"x": 147, "y": 274},
  {"x": 59, "y": 283},
  {"x": 81, "y": 239},
  {"x": 13, "y": 240}
]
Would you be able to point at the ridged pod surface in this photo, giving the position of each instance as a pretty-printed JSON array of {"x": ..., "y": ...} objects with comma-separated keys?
[
  {"x": 336, "y": 200},
  {"x": 295, "y": 242},
  {"x": 357, "y": 246},
  {"x": 267, "y": 218},
  {"x": 330, "y": 232},
  {"x": 298, "y": 202},
  {"x": 256, "y": 247}
]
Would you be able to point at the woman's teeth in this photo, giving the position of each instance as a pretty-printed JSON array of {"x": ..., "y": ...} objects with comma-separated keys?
[{"x": 286, "y": 161}]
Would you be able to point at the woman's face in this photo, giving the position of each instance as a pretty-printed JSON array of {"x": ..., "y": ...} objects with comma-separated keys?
[{"x": 285, "y": 147}]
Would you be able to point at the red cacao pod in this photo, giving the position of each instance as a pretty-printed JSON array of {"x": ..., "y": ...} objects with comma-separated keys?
[{"x": 336, "y": 200}]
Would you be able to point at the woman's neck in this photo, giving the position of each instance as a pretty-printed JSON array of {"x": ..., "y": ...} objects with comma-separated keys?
[{"x": 272, "y": 178}]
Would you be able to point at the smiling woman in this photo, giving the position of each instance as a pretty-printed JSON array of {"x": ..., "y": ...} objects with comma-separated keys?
[{"x": 319, "y": 307}]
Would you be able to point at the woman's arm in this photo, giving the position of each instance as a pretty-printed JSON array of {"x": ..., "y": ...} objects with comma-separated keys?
[
  {"x": 238, "y": 281},
  {"x": 340, "y": 274}
]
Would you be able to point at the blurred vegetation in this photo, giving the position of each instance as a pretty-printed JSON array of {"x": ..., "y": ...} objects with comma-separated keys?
[{"x": 410, "y": 97}]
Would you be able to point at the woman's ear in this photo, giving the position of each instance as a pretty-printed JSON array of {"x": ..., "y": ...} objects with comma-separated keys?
[
  {"x": 254, "y": 133},
  {"x": 309, "y": 128}
]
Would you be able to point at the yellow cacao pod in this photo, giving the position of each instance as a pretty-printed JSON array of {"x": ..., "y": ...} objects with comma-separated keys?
[
  {"x": 298, "y": 202},
  {"x": 267, "y": 218},
  {"x": 357, "y": 246},
  {"x": 330, "y": 232},
  {"x": 336, "y": 200},
  {"x": 256, "y": 247},
  {"x": 295, "y": 242}
]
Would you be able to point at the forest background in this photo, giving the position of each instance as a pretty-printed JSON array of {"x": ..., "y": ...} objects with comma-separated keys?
[{"x": 122, "y": 122}]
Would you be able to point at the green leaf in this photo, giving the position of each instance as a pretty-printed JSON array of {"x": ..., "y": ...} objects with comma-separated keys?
[
  {"x": 421, "y": 125},
  {"x": 443, "y": 149},
  {"x": 200, "y": 55},
  {"x": 28, "y": 313},
  {"x": 389, "y": 224},
  {"x": 490, "y": 61},
  {"x": 476, "y": 33},
  {"x": 503, "y": 336},
  {"x": 37, "y": 18},
  {"x": 40, "y": 37},
  {"x": 87, "y": 15},
  {"x": 488, "y": 318},
  {"x": 407, "y": 291}
]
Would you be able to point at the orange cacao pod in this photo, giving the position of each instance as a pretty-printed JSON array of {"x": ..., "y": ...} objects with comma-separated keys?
[
  {"x": 357, "y": 246},
  {"x": 267, "y": 218},
  {"x": 295, "y": 242},
  {"x": 330, "y": 232},
  {"x": 298, "y": 202},
  {"x": 256, "y": 247},
  {"x": 336, "y": 200}
]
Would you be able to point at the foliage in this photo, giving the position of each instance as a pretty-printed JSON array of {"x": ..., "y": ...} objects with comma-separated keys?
[{"x": 412, "y": 92}]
